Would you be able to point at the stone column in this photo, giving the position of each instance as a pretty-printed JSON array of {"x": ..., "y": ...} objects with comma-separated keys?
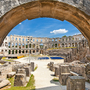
[
  {"x": 14, "y": 51},
  {"x": 11, "y": 51},
  {"x": 17, "y": 51},
  {"x": 32, "y": 66}
]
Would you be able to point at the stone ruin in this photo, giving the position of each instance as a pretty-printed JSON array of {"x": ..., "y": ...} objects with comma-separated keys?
[
  {"x": 72, "y": 74},
  {"x": 75, "y": 83},
  {"x": 20, "y": 78},
  {"x": 22, "y": 73}
]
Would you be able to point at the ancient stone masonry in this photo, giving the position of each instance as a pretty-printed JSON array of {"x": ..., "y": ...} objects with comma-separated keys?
[
  {"x": 75, "y": 83},
  {"x": 10, "y": 4},
  {"x": 15, "y": 45},
  {"x": 75, "y": 68},
  {"x": 12, "y": 12}
]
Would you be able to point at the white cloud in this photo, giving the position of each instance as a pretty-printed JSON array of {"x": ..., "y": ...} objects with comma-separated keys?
[
  {"x": 59, "y": 31},
  {"x": 20, "y": 23}
]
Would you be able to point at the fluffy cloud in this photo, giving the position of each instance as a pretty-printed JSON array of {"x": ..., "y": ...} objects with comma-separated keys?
[{"x": 59, "y": 31}]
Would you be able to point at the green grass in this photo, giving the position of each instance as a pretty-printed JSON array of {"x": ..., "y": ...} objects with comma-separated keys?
[
  {"x": 9, "y": 60},
  {"x": 30, "y": 85},
  {"x": 35, "y": 68}
]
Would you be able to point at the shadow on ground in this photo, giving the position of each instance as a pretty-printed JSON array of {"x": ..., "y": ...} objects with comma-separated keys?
[
  {"x": 55, "y": 82},
  {"x": 49, "y": 88}
]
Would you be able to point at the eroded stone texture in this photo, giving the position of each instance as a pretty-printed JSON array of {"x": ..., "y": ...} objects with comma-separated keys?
[
  {"x": 28, "y": 71},
  {"x": 13, "y": 12},
  {"x": 56, "y": 70},
  {"x": 51, "y": 66},
  {"x": 75, "y": 83},
  {"x": 32, "y": 66},
  {"x": 20, "y": 78},
  {"x": 64, "y": 72},
  {"x": 7, "y": 5}
]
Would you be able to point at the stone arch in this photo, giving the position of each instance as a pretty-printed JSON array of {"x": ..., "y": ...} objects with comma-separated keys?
[{"x": 76, "y": 13}]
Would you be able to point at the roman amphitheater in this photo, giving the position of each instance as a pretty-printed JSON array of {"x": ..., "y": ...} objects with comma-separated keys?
[{"x": 15, "y": 44}]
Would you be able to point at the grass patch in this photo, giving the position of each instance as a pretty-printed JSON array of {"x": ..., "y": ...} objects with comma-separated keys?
[
  {"x": 56, "y": 79},
  {"x": 35, "y": 68},
  {"x": 9, "y": 60},
  {"x": 30, "y": 85}
]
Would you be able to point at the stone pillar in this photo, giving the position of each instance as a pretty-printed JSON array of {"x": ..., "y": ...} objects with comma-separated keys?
[
  {"x": 56, "y": 70},
  {"x": 11, "y": 51},
  {"x": 32, "y": 66},
  {"x": 75, "y": 83},
  {"x": 17, "y": 51},
  {"x": 28, "y": 71},
  {"x": 14, "y": 51},
  {"x": 51, "y": 66},
  {"x": 64, "y": 72}
]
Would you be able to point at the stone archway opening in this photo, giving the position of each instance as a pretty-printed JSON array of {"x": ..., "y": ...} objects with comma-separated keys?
[{"x": 51, "y": 9}]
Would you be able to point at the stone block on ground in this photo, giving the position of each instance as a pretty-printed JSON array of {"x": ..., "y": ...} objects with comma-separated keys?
[
  {"x": 20, "y": 79},
  {"x": 4, "y": 82},
  {"x": 21, "y": 71},
  {"x": 75, "y": 83}
]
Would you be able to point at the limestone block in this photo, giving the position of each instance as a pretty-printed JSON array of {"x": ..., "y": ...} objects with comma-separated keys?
[
  {"x": 75, "y": 83},
  {"x": 65, "y": 69},
  {"x": 28, "y": 71},
  {"x": 11, "y": 74},
  {"x": 4, "y": 82},
  {"x": 20, "y": 79},
  {"x": 51, "y": 66},
  {"x": 32, "y": 66},
  {"x": 57, "y": 71},
  {"x": 21, "y": 71},
  {"x": 63, "y": 78}
]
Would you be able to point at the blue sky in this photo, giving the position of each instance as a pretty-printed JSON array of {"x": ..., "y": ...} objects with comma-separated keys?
[{"x": 44, "y": 27}]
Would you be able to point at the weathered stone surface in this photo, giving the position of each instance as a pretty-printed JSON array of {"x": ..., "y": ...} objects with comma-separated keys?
[
  {"x": 15, "y": 67},
  {"x": 10, "y": 4},
  {"x": 22, "y": 71},
  {"x": 20, "y": 79},
  {"x": 32, "y": 66},
  {"x": 57, "y": 71},
  {"x": 51, "y": 66},
  {"x": 11, "y": 74},
  {"x": 64, "y": 72},
  {"x": 75, "y": 83},
  {"x": 4, "y": 82},
  {"x": 63, "y": 78},
  {"x": 28, "y": 71},
  {"x": 13, "y": 12}
]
